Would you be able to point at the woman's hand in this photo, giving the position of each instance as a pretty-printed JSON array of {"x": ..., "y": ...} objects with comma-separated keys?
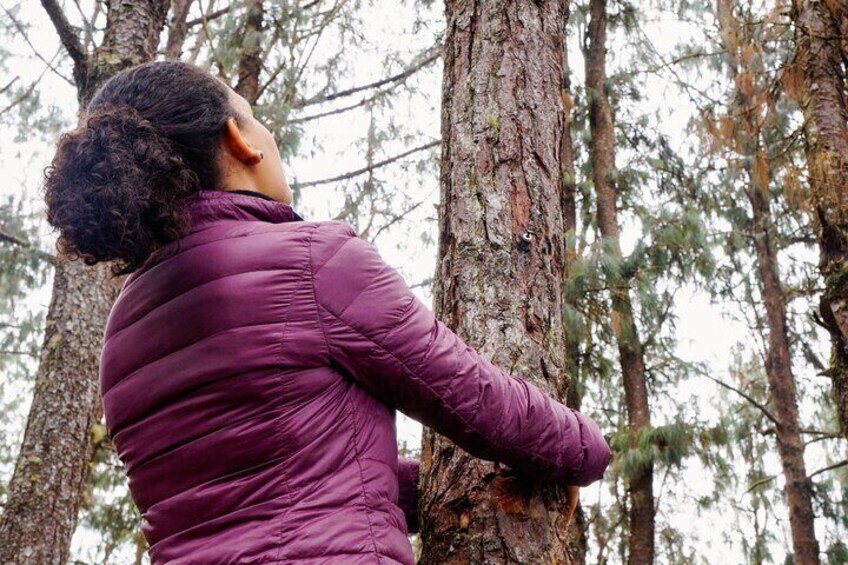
[{"x": 572, "y": 497}]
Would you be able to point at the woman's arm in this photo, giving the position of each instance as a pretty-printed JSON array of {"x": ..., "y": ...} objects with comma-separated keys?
[{"x": 391, "y": 344}]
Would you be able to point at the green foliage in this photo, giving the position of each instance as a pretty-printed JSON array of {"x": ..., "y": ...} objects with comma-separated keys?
[
  {"x": 837, "y": 554},
  {"x": 23, "y": 271},
  {"x": 24, "y": 268},
  {"x": 108, "y": 508},
  {"x": 637, "y": 450}
]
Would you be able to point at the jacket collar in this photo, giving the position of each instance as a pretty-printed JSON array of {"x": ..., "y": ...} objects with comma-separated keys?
[{"x": 208, "y": 206}]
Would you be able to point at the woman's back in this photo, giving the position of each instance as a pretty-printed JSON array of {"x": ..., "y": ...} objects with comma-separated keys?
[{"x": 242, "y": 445}]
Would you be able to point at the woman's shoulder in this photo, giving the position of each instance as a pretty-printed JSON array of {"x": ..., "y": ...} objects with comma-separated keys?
[
  {"x": 329, "y": 239},
  {"x": 331, "y": 228}
]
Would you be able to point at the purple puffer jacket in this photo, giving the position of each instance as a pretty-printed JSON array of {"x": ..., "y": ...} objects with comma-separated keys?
[{"x": 250, "y": 374}]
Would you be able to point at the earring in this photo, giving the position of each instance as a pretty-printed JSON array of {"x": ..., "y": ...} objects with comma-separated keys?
[{"x": 257, "y": 159}]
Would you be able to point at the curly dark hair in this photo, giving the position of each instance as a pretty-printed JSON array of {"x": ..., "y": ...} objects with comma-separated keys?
[{"x": 149, "y": 137}]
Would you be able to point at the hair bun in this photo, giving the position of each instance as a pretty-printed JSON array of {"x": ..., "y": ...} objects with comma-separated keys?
[{"x": 112, "y": 189}]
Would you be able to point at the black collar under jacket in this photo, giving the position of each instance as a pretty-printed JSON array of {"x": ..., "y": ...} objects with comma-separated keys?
[{"x": 297, "y": 216}]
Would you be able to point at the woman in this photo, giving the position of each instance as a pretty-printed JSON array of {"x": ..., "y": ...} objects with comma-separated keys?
[{"x": 253, "y": 362}]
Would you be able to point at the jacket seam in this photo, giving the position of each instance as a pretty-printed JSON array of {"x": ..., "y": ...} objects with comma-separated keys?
[
  {"x": 357, "y": 456},
  {"x": 368, "y": 509},
  {"x": 330, "y": 258},
  {"x": 285, "y": 480},
  {"x": 335, "y": 251},
  {"x": 397, "y": 324},
  {"x": 315, "y": 294},
  {"x": 430, "y": 342}
]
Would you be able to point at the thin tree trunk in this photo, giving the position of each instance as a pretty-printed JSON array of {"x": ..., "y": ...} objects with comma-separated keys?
[
  {"x": 778, "y": 356},
  {"x": 177, "y": 29},
  {"x": 499, "y": 276},
  {"x": 52, "y": 470},
  {"x": 790, "y": 446},
  {"x": 821, "y": 61},
  {"x": 250, "y": 53},
  {"x": 569, "y": 214},
  {"x": 578, "y": 528},
  {"x": 642, "y": 513}
]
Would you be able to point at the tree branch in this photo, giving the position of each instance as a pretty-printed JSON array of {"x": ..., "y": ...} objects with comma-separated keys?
[
  {"x": 16, "y": 352},
  {"x": 747, "y": 397},
  {"x": 67, "y": 34},
  {"x": 9, "y": 85},
  {"x": 49, "y": 63},
  {"x": 342, "y": 109},
  {"x": 435, "y": 54},
  {"x": 843, "y": 463},
  {"x": 29, "y": 90},
  {"x": 209, "y": 17},
  {"x": 760, "y": 483},
  {"x": 396, "y": 219},
  {"x": 9, "y": 237},
  {"x": 368, "y": 169},
  {"x": 178, "y": 29}
]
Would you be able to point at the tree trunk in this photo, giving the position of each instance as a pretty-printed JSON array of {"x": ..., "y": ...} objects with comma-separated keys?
[
  {"x": 642, "y": 514},
  {"x": 790, "y": 446},
  {"x": 500, "y": 268},
  {"x": 820, "y": 60},
  {"x": 52, "y": 470},
  {"x": 569, "y": 216},
  {"x": 250, "y": 53},
  {"x": 177, "y": 29},
  {"x": 131, "y": 37},
  {"x": 778, "y": 363},
  {"x": 578, "y": 534}
]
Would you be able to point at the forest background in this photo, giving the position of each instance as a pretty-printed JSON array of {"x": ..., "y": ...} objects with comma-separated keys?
[{"x": 711, "y": 146}]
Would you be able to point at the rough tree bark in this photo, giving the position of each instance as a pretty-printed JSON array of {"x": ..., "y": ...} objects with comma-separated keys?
[
  {"x": 500, "y": 268},
  {"x": 52, "y": 470},
  {"x": 778, "y": 365},
  {"x": 821, "y": 62},
  {"x": 641, "y": 512}
]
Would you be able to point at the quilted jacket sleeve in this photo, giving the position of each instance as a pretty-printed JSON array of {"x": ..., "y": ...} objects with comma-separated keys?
[{"x": 391, "y": 344}]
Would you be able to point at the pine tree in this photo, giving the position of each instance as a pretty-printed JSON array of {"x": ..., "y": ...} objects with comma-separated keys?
[
  {"x": 631, "y": 356},
  {"x": 820, "y": 64},
  {"x": 753, "y": 99},
  {"x": 500, "y": 265}
]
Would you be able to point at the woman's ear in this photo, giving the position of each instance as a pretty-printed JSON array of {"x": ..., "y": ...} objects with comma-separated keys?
[{"x": 238, "y": 146}]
